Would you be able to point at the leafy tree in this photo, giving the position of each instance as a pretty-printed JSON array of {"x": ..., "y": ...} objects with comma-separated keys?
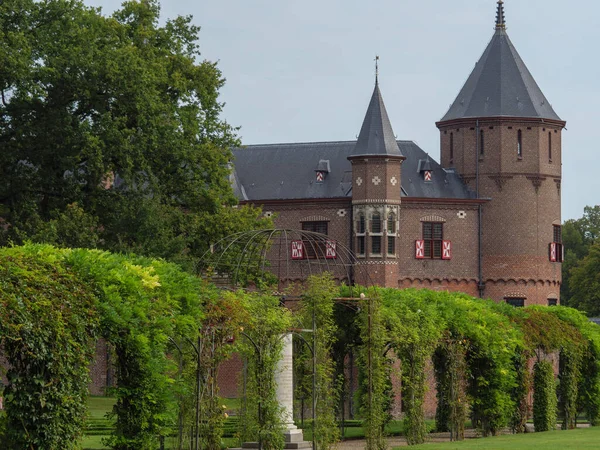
[
  {"x": 578, "y": 236},
  {"x": 585, "y": 283},
  {"x": 113, "y": 120}
]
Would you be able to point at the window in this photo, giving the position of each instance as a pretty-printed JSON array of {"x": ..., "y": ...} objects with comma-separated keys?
[
  {"x": 519, "y": 144},
  {"x": 314, "y": 248},
  {"x": 557, "y": 234},
  {"x": 360, "y": 223},
  {"x": 433, "y": 234},
  {"x": 556, "y": 247},
  {"x": 360, "y": 245},
  {"x": 516, "y": 302},
  {"x": 391, "y": 234},
  {"x": 451, "y": 148},
  {"x": 360, "y": 233},
  {"x": 552, "y": 302},
  {"x": 376, "y": 230},
  {"x": 550, "y": 147},
  {"x": 376, "y": 223},
  {"x": 481, "y": 144}
]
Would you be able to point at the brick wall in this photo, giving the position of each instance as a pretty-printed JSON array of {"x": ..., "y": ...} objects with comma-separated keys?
[{"x": 525, "y": 201}]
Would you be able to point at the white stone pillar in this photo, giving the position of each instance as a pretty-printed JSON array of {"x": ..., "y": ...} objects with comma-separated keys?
[{"x": 285, "y": 390}]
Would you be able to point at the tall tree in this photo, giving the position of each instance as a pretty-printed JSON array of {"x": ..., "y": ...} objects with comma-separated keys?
[
  {"x": 111, "y": 132},
  {"x": 578, "y": 237},
  {"x": 585, "y": 283}
]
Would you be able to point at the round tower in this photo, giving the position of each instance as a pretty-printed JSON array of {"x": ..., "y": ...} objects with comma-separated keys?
[
  {"x": 376, "y": 193},
  {"x": 502, "y": 135}
]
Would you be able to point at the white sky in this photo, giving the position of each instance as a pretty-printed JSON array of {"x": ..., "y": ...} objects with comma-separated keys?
[{"x": 302, "y": 70}]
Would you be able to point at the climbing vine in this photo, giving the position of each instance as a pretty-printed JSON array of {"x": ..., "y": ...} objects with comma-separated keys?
[
  {"x": 318, "y": 305},
  {"x": 47, "y": 328},
  {"x": 414, "y": 331},
  {"x": 544, "y": 396},
  {"x": 375, "y": 376},
  {"x": 261, "y": 346}
]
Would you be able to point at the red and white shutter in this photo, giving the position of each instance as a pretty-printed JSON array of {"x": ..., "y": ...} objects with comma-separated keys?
[
  {"x": 297, "y": 250},
  {"x": 446, "y": 250},
  {"x": 428, "y": 175},
  {"x": 330, "y": 250},
  {"x": 553, "y": 252},
  {"x": 320, "y": 177},
  {"x": 420, "y": 249}
]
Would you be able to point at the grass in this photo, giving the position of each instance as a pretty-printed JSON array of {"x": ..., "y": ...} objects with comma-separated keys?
[{"x": 583, "y": 438}]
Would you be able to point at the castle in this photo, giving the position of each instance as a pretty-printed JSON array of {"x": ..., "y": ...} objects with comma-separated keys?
[{"x": 485, "y": 220}]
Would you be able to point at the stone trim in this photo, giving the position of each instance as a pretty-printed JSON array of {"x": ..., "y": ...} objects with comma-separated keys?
[
  {"x": 432, "y": 218},
  {"x": 315, "y": 219}
]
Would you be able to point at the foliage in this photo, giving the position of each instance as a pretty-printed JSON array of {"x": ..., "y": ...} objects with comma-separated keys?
[
  {"x": 261, "y": 346},
  {"x": 414, "y": 331},
  {"x": 115, "y": 121},
  {"x": 223, "y": 321},
  {"x": 585, "y": 283},
  {"x": 578, "y": 236},
  {"x": 375, "y": 376},
  {"x": 520, "y": 391},
  {"x": 134, "y": 303},
  {"x": 48, "y": 323},
  {"x": 138, "y": 315},
  {"x": 317, "y": 309},
  {"x": 544, "y": 396}
]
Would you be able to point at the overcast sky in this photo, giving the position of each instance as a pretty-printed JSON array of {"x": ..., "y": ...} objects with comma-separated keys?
[{"x": 301, "y": 71}]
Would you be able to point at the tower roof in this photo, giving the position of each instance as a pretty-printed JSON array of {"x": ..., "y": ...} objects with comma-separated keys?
[
  {"x": 500, "y": 85},
  {"x": 376, "y": 135}
]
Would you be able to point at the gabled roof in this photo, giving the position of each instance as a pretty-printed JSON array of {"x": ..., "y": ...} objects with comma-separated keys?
[
  {"x": 500, "y": 85},
  {"x": 376, "y": 135},
  {"x": 287, "y": 172}
]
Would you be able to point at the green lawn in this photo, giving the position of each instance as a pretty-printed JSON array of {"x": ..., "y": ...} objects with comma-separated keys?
[{"x": 585, "y": 438}]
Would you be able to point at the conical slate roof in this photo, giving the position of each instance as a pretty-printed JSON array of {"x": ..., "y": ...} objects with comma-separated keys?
[
  {"x": 500, "y": 85},
  {"x": 376, "y": 135}
]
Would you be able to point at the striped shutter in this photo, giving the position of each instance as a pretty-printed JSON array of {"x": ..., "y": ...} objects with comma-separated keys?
[
  {"x": 330, "y": 250},
  {"x": 446, "y": 250},
  {"x": 420, "y": 249},
  {"x": 553, "y": 252},
  {"x": 297, "y": 250}
]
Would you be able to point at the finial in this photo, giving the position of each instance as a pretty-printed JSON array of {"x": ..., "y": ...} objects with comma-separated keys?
[
  {"x": 376, "y": 69},
  {"x": 500, "y": 21}
]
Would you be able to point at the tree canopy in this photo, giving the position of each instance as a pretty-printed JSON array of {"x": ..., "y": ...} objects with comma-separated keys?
[
  {"x": 579, "y": 271},
  {"x": 111, "y": 131}
]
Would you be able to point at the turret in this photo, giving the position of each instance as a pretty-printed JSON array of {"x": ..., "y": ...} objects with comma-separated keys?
[
  {"x": 376, "y": 194},
  {"x": 504, "y": 138}
]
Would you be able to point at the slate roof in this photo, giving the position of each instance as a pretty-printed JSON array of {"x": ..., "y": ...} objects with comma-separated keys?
[
  {"x": 376, "y": 135},
  {"x": 500, "y": 85},
  {"x": 287, "y": 171}
]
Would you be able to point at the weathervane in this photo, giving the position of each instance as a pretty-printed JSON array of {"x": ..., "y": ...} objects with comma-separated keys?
[
  {"x": 500, "y": 21},
  {"x": 376, "y": 68}
]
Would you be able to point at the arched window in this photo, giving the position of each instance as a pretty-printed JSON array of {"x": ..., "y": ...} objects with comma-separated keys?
[
  {"x": 481, "y": 143},
  {"x": 375, "y": 223},
  {"x": 391, "y": 234},
  {"x": 376, "y": 231},
  {"x": 360, "y": 233},
  {"x": 451, "y": 148},
  {"x": 550, "y": 146},
  {"x": 360, "y": 223},
  {"x": 519, "y": 144}
]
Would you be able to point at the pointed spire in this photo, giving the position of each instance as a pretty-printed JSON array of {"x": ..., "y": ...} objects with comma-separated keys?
[
  {"x": 376, "y": 135},
  {"x": 500, "y": 20}
]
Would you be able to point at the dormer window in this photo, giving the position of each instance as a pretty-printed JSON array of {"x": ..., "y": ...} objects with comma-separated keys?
[
  {"x": 425, "y": 168},
  {"x": 322, "y": 170}
]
